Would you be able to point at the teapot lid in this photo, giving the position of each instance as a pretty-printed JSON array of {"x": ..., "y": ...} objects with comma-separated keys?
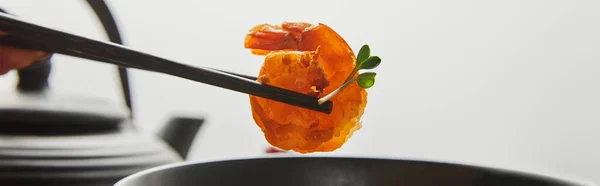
[{"x": 51, "y": 112}]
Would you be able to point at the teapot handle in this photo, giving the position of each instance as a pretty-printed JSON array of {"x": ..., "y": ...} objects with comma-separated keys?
[{"x": 112, "y": 31}]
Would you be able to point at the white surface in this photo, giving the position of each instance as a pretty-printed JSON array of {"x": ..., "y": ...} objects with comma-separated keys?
[{"x": 506, "y": 83}]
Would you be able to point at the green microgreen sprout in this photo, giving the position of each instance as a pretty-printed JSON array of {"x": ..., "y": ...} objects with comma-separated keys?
[{"x": 364, "y": 61}]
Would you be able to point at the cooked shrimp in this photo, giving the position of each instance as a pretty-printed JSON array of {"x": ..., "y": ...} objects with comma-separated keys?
[{"x": 310, "y": 59}]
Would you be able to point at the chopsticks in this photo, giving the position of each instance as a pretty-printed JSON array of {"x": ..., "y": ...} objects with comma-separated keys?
[{"x": 27, "y": 35}]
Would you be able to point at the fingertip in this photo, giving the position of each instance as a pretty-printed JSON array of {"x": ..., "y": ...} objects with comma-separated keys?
[
  {"x": 3, "y": 68},
  {"x": 14, "y": 59}
]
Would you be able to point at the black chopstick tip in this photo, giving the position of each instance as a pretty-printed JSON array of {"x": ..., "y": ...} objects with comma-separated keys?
[{"x": 327, "y": 107}]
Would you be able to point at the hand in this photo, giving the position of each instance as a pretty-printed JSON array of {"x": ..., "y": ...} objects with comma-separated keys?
[{"x": 13, "y": 58}]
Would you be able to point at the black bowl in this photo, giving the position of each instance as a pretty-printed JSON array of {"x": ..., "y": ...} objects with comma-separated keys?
[{"x": 333, "y": 171}]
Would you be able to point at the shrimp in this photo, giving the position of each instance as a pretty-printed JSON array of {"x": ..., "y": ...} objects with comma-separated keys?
[{"x": 311, "y": 59}]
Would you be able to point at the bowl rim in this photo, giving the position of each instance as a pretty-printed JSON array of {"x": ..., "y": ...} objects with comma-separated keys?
[{"x": 533, "y": 174}]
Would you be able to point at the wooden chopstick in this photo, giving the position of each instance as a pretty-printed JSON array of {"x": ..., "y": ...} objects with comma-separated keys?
[{"x": 31, "y": 36}]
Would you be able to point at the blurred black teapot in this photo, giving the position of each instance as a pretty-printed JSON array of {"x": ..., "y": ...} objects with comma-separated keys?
[{"x": 47, "y": 138}]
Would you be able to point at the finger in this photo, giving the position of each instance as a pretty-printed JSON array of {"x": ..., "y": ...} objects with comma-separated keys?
[{"x": 13, "y": 58}]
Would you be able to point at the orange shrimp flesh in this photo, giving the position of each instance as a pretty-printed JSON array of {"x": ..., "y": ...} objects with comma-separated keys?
[{"x": 310, "y": 59}]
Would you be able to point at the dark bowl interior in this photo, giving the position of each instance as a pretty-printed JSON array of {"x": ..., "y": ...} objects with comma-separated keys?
[{"x": 333, "y": 171}]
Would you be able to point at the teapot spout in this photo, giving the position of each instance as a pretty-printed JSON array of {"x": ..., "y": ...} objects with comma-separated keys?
[{"x": 180, "y": 132}]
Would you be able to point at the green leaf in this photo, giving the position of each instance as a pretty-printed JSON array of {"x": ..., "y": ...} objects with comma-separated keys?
[
  {"x": 363, "y": 54},
  {"x": 370, "y": 63},
  {"x": 366, "y": 80}
]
